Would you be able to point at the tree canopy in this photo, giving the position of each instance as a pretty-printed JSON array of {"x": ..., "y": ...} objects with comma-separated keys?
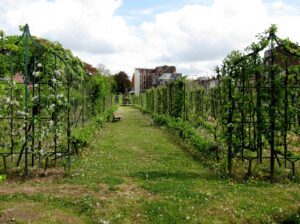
[{"x": 123, "y": 82}]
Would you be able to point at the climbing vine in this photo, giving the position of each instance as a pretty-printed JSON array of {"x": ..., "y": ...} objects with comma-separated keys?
[{"x": 252, "y": 114}]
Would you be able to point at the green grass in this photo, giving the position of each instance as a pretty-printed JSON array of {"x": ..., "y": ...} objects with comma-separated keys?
[{"x": 134, "y": 172}]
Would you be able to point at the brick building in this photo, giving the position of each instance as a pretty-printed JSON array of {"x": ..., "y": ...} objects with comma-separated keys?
[
  {"x": 144, "y": 78},
  {"x": 282, "y": 56}
]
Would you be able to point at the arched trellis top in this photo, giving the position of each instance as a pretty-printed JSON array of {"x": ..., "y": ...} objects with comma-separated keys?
[
  {"x": 26, "y": 34},
  {"x": 272, "y": 37}
]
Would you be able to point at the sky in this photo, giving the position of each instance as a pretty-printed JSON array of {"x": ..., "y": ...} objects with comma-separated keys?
[{"x": 193, "y": 35}]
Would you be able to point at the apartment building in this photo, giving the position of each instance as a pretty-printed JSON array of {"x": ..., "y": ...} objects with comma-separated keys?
[{"x": 144, "y": 78}]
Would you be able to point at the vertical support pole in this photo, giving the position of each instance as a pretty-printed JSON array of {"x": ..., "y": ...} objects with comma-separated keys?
[
  {"x": 68, "y": 124},
  {"x": 230, "y": 126},
  {"x": 243, "y": 113},
  {"x": 26, "y": 98},
  {"x": 272, "y": 112},
  {"x": 83, "y": 102},
  {"x": 184, "y": 101},
  {"x": 258, "y": 116},
  {"x": 104, "y": 103},
  {"x": 40, "y": 121},
  {"x": 286, "y": 105},
  {"x": 11, "y": 123},
  {"x": 33, "y": 113},
  {"x": 54, "y": 114},
  {"x": 170, "y": 98}
]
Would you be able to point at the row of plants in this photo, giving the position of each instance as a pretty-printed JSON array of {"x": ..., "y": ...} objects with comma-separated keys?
[
  {"x": 82, "y": 135},
  {"x": 46, "y": 96},
  {"x": 250, "y": 112},
  {"x": 184, "y": 129}
]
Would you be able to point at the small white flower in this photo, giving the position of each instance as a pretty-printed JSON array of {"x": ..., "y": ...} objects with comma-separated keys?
[
  {"x": 230, "y": 125},
  {"x": 15, "y": 103},
  {"x": 22, "y": 113},
  {"x": 52, "y": 106},
  {"x": 37, "y": 74},
  {"x": 7, "y": 100},
  {"x": 51, "y": 96},
  {"x": 35, "y": 98},
  {"x": 57, "y": 72},
  {"x": 51, "y": 123},
  {"x": 23, "y": 139},
  {"x": 39, "y": 65}
]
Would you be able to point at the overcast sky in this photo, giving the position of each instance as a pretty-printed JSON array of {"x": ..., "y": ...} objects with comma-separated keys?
[{"x": 193, "y": 35}]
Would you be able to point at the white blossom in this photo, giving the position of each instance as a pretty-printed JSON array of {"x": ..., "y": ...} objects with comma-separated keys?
[
  {"x": 7, "y": 99},
  {"x": 42, "y": 152},
  {"x": 23, "y": 140},
  {"x": 51, "y": 96},
  {"x": 61, "y": 95},
  {"x": 15, "y": 103},
  {"x": 22, "y": 113},
  {"x": 37, "y": 74},
  {"x": 52, "y": 106},
  {"x": 35, "y": 98},
  {"x": 57, "y": 72}
]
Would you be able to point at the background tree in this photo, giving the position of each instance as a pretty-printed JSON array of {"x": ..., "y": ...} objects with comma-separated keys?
[
  {"x": 123, "y": 82},
  {"x": 103, "y": 69}
]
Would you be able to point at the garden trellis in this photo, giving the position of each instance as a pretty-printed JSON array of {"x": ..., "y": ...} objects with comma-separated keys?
[
  {"x": 42, "y": 99},
  {"x": 253, "y": 111},
  {"x": 262, "y": 104}
]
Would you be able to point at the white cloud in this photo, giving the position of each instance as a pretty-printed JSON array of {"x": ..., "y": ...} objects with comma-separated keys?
[
  {"x": 89, "y": 28},
  {"x": 198, "y": 37},
  {"x": 78, "y": 25},
  {"x": 194, "y": 38}
]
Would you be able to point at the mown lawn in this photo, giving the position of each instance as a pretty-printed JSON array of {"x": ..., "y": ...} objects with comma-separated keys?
[{"x": 134, "y": 172}]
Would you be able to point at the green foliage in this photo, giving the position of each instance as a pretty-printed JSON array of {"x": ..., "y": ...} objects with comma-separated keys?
[
  {"x": 252, "y": 109},
  {"x": 123, "y": 84},
  {"x": 2, "y": 178},
  {"x": 184, "y": 111},
  {"x": 99, "y": 87},
  {"x": 81, "y": 136},
  {"x": 54, "y": 90}
]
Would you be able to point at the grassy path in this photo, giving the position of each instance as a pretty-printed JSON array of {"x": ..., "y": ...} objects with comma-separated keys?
[{"x": 133, "y": 172}]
